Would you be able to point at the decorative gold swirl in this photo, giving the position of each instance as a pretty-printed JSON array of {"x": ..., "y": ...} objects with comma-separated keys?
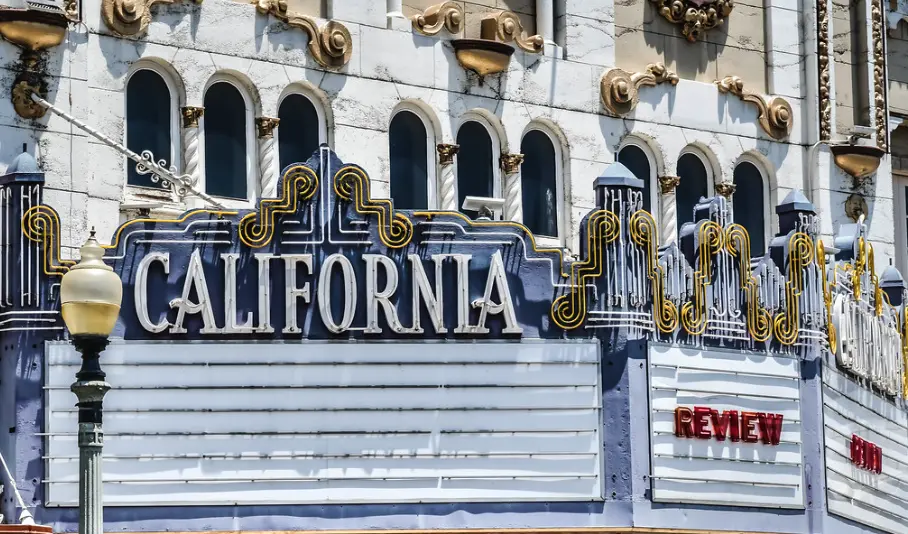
[
  {"x": 506, "y": 26},
  {"x": 569, "y": 311},
  {"x": 41, "y": 224},
  {"x": 644, "y": 233},
  {"x": 394, "y": 229},
  {"x": 800, "y": 255},
  {"x": 831, "y": 333},
  {"x": 759, "y": 320},
  {"x": 447, "y": 15},
  {"x": 331, "y": 45},
  {"x": 693, "y": 313},
  {"x": 257, "y": 228}
]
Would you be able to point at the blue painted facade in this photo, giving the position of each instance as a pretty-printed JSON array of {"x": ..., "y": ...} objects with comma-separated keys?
[{"x": 626, "y": 434}]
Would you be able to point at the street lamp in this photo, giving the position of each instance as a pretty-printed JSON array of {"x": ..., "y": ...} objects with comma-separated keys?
[{"x": 90, "y": 294}]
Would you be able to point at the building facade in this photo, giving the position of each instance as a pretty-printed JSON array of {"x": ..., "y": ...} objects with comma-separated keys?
[{"x": 606, "y": 223}]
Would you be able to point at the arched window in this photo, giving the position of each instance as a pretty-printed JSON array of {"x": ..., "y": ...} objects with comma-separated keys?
[
  {"x": 636, "y": 160},
  {"x": 149, "y": 114},
  {"x": 748, "y": 205},
  {"x": 409, "y": 161},
  {"x": 539, "y": 181},
  {"x": 694, "y": 185},
  {"x": 475, "y": 164},
  {"x": 225, "y": 141},
  {"x": 298, "y": 131}
]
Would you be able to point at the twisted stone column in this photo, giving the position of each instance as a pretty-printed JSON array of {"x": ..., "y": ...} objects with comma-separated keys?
[
  {"x": 669, "y": 211},
  {"x": 191, "y": 116},
  {"x": 513, "y": 193},
  {"x": 267, "y": 175},
  {"x": 448, "y": 182}
]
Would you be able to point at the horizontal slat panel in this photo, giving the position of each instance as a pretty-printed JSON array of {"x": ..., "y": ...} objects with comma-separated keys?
[
  {"x": 839, "y": 428},
  {"x": 882, "y": 519},
  {"x": 865, "y": 494},
  {"x": 850, "y": 389},
  {"x": 710, "y": 471},
  {"x": 896, "y": 488},
  {"x": 491, "y": 421}
]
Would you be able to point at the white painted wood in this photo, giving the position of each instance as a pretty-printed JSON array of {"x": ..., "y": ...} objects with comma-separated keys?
[
  {"x": 877, "y": 500},
  {"x": 198, "y": 423},
  {"x": 724, "y": 472}
]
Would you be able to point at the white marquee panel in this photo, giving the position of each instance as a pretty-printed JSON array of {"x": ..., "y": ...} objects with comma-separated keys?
[
  {"x": 724, "y": 472},
  {"x": 877, "y": 500},
  {"x": 317, "y": 422}
]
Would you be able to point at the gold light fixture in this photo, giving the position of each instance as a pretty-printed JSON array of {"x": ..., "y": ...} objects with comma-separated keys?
[
  {"x": 91, "y": 293},
  {"x": 859, "y": 161}
]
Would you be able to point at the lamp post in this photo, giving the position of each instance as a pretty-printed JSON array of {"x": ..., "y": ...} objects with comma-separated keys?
[{"x": 90, "y": 294}]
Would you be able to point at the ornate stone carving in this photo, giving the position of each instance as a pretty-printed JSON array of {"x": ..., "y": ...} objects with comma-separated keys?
[
  {"x": 446, "y": 153},
  {"x": 447, "y": 15},
  {"x": 776, "y": 116},
  {"x": 855, "y": 207},
  {"x": 191, "y": 116},
  {"x": 879, "y": 75},
  {"x": 331, "y": 45},
  {"x": 22, "y": 100},
  {"x": 726, "y": 189},
  {"x": 129, "y": 17},
  {"x": 506, "y": 27},
  {"x": 619, "y": 90},
  {"x": 667, "y": 184},
  {"x": 513, "y": 192},
  {"x": 825, "y": 89},
  {"x": 695, "y": 16},
  {"x": 265, "y": 126},
  {"x": 510, "y": 163}
]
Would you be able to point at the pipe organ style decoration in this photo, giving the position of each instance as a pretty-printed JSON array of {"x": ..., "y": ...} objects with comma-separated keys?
[
  {"x": 696, "y": 16},
  {"x": 619, "y": 90},
  {"x": 130, "y": 18},
  {"x": 331, "y": 45},
  {"x": 447, "y": 15},
  {"x": 776, "y": 116}
]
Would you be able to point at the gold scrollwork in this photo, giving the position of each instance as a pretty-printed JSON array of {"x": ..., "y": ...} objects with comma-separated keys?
[
  {"x": 330, "y": 45},
  {"x": 825, "y": 89},
  {"x": 776, "y": 116},
  {"x": 394, "y": 228},
  {"x": 619, "y": 90},
  {"x": 447, "y": 15},
  {"x": 759, "y": 320},
  {"x": 41, "y": 224},
  {"x": 800, "y": 255},
  {"x": 130, "y": 18},
  {"x": 644, "y": 233},
  {"x": 569, "y": 310},
  {"x": 506, "y": 27},
  {"x": 879, "y": 75},
  {"x": 257, "y": 228},
  {"x": 696, "y": 16},
  {"x": 831, "y": 333},
  {"x": 693, "y": 312}
]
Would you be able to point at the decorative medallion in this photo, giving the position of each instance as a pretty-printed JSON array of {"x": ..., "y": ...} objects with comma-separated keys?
[
  {"x": 130, "y": 18},
  {"x": 22, "y": 100},
  {"x": 447, "y": 15},
  {"x": 191, "y": 116},
  {"x": 776, "y": 116},
  {"x": 695, "y": 16},
  {"x": 446, "y": 153},
  {"x": 331, "y": 45},
  {"x": 619, "y": 90},
  {"x": 505, "y": 26}
]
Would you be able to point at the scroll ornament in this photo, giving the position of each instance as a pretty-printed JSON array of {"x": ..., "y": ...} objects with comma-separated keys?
[
  {"x": 696, "y": 16},
  {"x": 447, "y": 15},
  {"x": 505, "y": 26},
  {"x": 619, "y": 90},
  {"x": 331, "y": 45},
  {"x": 130, "y": 18},
  {"x": 776, "y": 116}
]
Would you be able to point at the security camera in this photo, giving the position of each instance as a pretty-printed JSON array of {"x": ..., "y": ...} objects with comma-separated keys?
[{"x": 488, "y": 207}]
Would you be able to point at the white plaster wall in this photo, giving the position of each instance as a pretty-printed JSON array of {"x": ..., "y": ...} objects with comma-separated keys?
[{"x": 85, "y": 179}]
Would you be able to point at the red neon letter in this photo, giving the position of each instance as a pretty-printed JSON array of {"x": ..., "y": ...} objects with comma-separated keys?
[
  {"x": 748, "y": 430},
  {"x": 684, "y": 427},
  {"x": 770, "y": 427},
  {"x": 701, "y": 422},
  {"x": 720, "y": 424},
  {"x": 857, "y": 449},
  {"x": 879, "y": 460},
  {"x": 734, "y": 426}
]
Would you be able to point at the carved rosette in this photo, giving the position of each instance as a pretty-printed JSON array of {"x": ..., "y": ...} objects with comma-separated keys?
[
  {"x": 619, "y": 90},
  {"x": 447, "y": 15},
  {"x": 776, "y": 116},
  {"x": 505, "y": 26},
  {"x": 879, "y": 75},
  {"x": 825, "y": 89},
  {"x": 331, "y": 45},
  {"x": 130, "y": 18},
  {"x": 695, "y": 16}
]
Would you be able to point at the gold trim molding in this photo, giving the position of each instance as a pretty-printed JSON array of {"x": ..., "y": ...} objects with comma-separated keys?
[
  {"x": 331, "y": 45},
  {"x": 505, "y": 26},
  {"x": 130, "y": 18},
  {"x": 695, "y": 16},
  {"x": 879, "y": 75},
  {"x": 578, "y": 530},
  {"x": 619, "y": 90},
  {"x": 447, "y": 15},
  {"x": 776, "y": 116},
  {"x": 825, "y": 87}
]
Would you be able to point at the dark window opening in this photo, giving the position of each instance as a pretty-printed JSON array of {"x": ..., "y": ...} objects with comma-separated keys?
[
  {"x": 409, "y": 162},
  {"x": 474, "y": 164},
  {"x": 747, "y": 203},
  {"x": 693, "y": 186},
  {"x": 148, "y": 116},
  {"x": 634, "y": 158},
  {"x": 298, "y": 131},
  {"x": 225, "y": 141},
  {"x": 538, "y": 184}
]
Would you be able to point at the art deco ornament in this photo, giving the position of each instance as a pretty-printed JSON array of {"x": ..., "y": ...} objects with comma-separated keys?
[
  {"x": 447, "y": 15},
  {"x": 695, "y": 16},
  {"x": 619, "y": 90},
  {"x": 776, "y": 116},
  {"x": 858, "y": 161},
  {"x": 130, "y": 18},
  {"x": 506, "y": 27},
  {"x": 331, "y": 45}
]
